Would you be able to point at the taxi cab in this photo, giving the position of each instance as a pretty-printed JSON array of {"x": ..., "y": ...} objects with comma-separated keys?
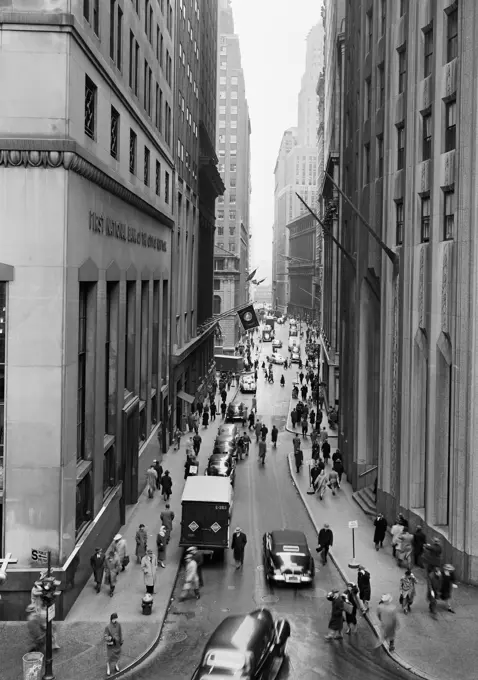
[{"x": 287, "y": 557}]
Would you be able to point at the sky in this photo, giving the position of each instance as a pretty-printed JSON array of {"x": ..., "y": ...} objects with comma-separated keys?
[{"x": 272, "y": 38}]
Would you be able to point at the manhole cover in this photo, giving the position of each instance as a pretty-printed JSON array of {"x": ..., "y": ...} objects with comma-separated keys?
[
  {"x": 260, "y": 567},
  {"x": 269, "y": 599},
  {"x": 310, "y": 594},
  {"x": 175, "y": 637}
]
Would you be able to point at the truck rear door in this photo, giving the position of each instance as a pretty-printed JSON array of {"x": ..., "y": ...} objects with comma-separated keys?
[{"x": 205, "y": 524}]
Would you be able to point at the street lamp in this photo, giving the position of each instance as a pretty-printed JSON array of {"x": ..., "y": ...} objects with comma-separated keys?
[{"x": 46, "y": 590}]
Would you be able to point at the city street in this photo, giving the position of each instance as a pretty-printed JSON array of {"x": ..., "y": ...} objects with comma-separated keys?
[{"x": 266, "y": 499}]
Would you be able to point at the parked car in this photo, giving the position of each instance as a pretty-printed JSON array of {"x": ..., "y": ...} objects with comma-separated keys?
[
  {"x": 287, "y": 557},
  {"x": 245, "y": 646},
  {"x": 276, "y": 359},
  {"x": 281, "y": 320},
  {"x": 277, "y": 344},
  {"x": 225, "y": 444},
  {"x": 293, "y": 342},
  {"x": 247, "y": 383},
  {"x": 236, "y": 412},
  {"x": 295, "y": 357},
  {"x": 227, "y": 429},
  {"x": 221, "y": 465}
]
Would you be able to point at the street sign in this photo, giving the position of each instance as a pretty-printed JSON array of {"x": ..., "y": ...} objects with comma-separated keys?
[
  {"x": 39, "y": 555},
  {"x": 51, "y": 612},
  {"x": 353, "y": 524}
]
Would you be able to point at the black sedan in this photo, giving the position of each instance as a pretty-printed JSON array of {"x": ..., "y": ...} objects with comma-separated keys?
[
  {"x": 246, "y": 647},
  {"x": 221, "y": 465},
  {"x": 236, "y": 413},
  {"x": 287, "y": 557},
  {"x": 225, "y": 444}
]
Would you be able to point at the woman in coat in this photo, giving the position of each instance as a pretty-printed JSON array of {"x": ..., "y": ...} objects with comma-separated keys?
[
  {"x": 205, "y": 418},
  {"x": 191, "y": 580},
  {"x": 405, "y": 549},
  {"x": 112, "y": 569},
  {"x": 387, "y": 614},
  {"x": 336, "y": 622},
  {"x": 380, "y": 532},
  {"x": 363, "y": 584},
  {"x": 113, "y": 636},
  {"x": 407, "y": 591},
  {"x": 141, "y": 543},
  {"x": 122, "y": 550},
  {"x": 97, "y": 563},
  {"x": 321, "y": 483},
  {"x": 350, "y": 598},
  {"x": 149, "y": 565},
  {"x": 161, "y": 541}
]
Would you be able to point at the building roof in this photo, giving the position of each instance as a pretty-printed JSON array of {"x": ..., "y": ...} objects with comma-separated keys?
[{"x": 214, "y": 489}]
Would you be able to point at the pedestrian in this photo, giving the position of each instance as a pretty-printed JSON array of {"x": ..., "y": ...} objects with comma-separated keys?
[
  {"x": 223, "y": 395},
  {"x": 262, "y": 450},
  {"x": 251, "y": 418},
  {"x": 149, "y": 565},
  {"x": 191, "y": 422},
  {"x": 321, "y": 483},
  {"x": 205, "y": 418},
  {"x": 141, "y": 539},
  {"x": 380, "y": 532},
  {"x": 274, "y": 435},
  {"x": 122, "y": 550},
  {"x": 434, "y": 586},
  {"x": 191, "y": 579},
  {"x": 312, "y": 418},
  {"x": 161, "y": 542},
  {"x": 197, "y": 441},
  {"x": 240, "y": 447},
  {"x": 112, "y": 569},
  {"x": 303, "y": 391},
  {"x": 213, "y": 410},
  {"x": 296, "y": 442},
  {"x": 402, "y": 520},
  {"x": 223, "y": 409},
  {"x": 166, "y": 485},
  {"x": 238, "y": 546},
  {"x": 200, "y": 408},
  {"x": 301, "y": 377},
  {"x": 432, "y": 554},
  {"x": 364, "y": 588},
  {"x": 247, "y": 442},
  {"x": 407, "y": 591},
  {"x": 159, "y": 472},
  {"x": 336, "y": 621},
  {"x": 196, "y": 423},
  {"x": 167, "y": 517},
  {"x": 323, "y": 435},
  {"x": 97, "y": 563},
  {"x": 396, "y": 530},
  {"x": 293, "y": 417},
  {"x": 350, "y": 606},
  {"x": 113, "y": 636},
  {"x": 326, "y": 541},
  {"x": 151, "y": 477},
  {"x": 313, "y": 437},
  {"x": 339, "y": 469},
  {"x": 315, "y": 451},
  {"x": 254, "y": 403},
  {"x": 447, "y": 585},
  {"x": 336, "y": 454},
  {"x": 314, "y": 473},
  {"x": 333, "y": 481},
  {"x": 305, "y": 427},
  {"x": 264, "y": 431},
  {"x": 419, "y": 540},
  {"x": 387, "y": 615},
  {"x": 299, "y": 459},
  {"x": 258, "y": 429},
  {"x": 405, "y": 548}
]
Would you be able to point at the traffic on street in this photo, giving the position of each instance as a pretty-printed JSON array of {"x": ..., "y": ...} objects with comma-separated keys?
[{"x": 269, "y": 512}]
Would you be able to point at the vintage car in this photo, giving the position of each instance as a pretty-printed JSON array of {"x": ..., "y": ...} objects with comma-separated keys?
[
  {"x": 276, "y": 358},
  {"x": 295, "y": 357},
  {"x": 225, "y": 444},
  {"x": 277, "y": 344},
  {"x": 236, "y": 412},
  {"x": 293, "y": 342},
  {"x": 222, "y": 465},
  {"x": 245, "y": 647},
  {"x": 227, "y": 429},
  {"x": 247, "y": 383},
  {"x": 287, "y": 557}
]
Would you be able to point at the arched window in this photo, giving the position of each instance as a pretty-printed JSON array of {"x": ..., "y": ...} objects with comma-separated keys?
[{"x": 216, "y": 305}]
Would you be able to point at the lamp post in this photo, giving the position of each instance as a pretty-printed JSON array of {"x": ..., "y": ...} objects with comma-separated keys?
[{"x": 46, "y": 589}]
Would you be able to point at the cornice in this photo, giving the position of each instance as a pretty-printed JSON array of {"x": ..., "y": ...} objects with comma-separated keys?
[{"x": 66, "y": 154}]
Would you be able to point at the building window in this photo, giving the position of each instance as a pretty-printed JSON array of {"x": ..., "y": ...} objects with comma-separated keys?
[
  {"x": 157, "y": 182},
  {"x": 452, "y": 35},
  {"x": 232, "y": 199},
  {"x": 427, "y": 137},
  {"x": 112, "y": 28},
  {"x": 449, "y": 217},
  {"x": 450, "y": 130},
  {"x": 166, "y": 187},
  {"x": 368, "y": 98},
  {"x": 233, "y": 94},
  {"x": 217, "y": 284},
  {"x": 233, "y": 139},
  {"x": 130, "y": 335},
  {"x": 402, "y": 70},
  {"x": 219, "y": 265},
  {"x": 114, "y": 132},
  {"x": 399, "y": 223},
  {"x": 234, "y": 80},
  {"x": 232, "y": 167},
  {"x": 220, "y": 216},
  {"x": 109, "y": 470},
  {"x": 232, "y": 214},
  {"x": 369, "y": 21},
  {"x": 400, "y": 147},
  {"x": 380, "y": 155},
  {"x": 383, "y": 16},
  {"x": 86, "y": 9},
  {"x": 220, "y": 244},
  {"x": 110, "y": 351},
  {"x": 133, "y": 63},
  {"x": 428, "y": 53},
  {"x": 3, "y": 344},
  {"x": 381, "y": 85},
  {"x": 366, "y": 163},
  {"x": 84, "y": 499},
  {"x": 90, "y": 107},
  {"x": 216, "y": 304},
  {"x": 81, "y": 387},
  {"x": 147, "y": 88},
  {"x": 403, "y": 7},
  {"x": 232, "y": 246},
  {"x": 232, "y": 229},
  {"x": 132, "y": 152},
  {"x": 425, "y": 219},
  {"x": 146, "y": 166}
]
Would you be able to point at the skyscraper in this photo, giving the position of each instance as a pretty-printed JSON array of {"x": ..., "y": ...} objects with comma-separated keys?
[{"x": 233, "y": 145}]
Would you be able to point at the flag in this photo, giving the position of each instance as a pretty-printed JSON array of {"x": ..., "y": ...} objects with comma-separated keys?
[
  {"x": 248, "y": 318},
  {"x": 261, "y": 281},
  {"x": 251, "y": 276}
]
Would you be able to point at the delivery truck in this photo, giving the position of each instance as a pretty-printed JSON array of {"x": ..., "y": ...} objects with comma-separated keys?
[
  {"x": 225, "y": 363},
  {"x": 206, "y": 513}
]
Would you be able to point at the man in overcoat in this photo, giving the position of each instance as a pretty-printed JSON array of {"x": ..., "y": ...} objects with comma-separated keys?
[
  {"x": 238, "y": 546},
  {"x": 97, "y": 562},
  {"x": 380, "y": 532}
]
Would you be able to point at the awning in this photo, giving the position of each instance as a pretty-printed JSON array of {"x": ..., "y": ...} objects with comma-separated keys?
[{"x": 185, "y": 397}]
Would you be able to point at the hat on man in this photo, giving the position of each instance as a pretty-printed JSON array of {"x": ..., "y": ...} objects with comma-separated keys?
[
  {"x": 386, "y": 599},
  {"x": 238, "y": 529},
  {"x": 118, "y": 537},
  {"x": 448, "y": 567}
]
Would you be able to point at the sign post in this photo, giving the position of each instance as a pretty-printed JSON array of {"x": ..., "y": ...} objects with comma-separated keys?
[{"x": 353, "y": 564}]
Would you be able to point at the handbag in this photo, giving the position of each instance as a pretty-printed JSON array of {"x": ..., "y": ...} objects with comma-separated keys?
[
  {"x": 125, "y": 560},
  {"x": 348, "y": 607}
]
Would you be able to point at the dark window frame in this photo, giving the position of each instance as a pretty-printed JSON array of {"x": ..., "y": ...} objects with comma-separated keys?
[
  {"x": 114, "y": 133},
  {"x": 399, "y": 222},
  {"x": 402, "y": 70},
  {"x": 428, "y": 46},
  {"x": 369, "y": 16},
  {"x": 133, "y": 142},
  {"x": 427, "y": 132},
  {"x": 146, "y": 166},
  {"x": 157, "y": 181},
  {"x": 401, "y": 143},
  {"x": 368, "y": 98},
  {"x": 366, "y": 164},
  {"x": 448, "y": 217},
  {"x": 450, "y": 129},
  {"x": 380, "y": 155},
  {"x": 381, "y": 85},
  {"x": 452, "y": 35},
  {"x": 81, "y": 384},
  {"x": 91, "y": 98},
  {"x": 425, "y": 219}
]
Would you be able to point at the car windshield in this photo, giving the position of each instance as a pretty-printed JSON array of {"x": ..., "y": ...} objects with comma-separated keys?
[
  {"x": 287, "y": 560},
  {"x": 225, "y": 659}
]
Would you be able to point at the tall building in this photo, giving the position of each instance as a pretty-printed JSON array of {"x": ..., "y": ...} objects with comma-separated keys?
[
  {"x": 197, "y": 185},
  {"x": 407, "y": 366},
  {"x": 86, "y": 178},
  {"x": 233, "y": 144},
  {"x": 296, "y": 172},
  {"x": 331, "y": 97}
]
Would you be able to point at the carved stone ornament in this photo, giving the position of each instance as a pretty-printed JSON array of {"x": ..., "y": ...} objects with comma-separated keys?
[
  {"x": 394, "y": 410},
  {"x": 69, "y": 160},
  {"x": 444, "y": 293},
  {"x": 421, "y": 290}
]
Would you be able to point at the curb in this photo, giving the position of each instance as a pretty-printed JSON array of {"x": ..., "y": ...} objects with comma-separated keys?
[{"x": 375, "y": 628}]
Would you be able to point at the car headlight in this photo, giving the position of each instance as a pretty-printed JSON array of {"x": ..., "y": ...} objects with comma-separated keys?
[{"x": 277, "y": 572}]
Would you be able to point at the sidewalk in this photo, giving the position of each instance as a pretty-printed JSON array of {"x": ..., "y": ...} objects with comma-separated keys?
[
  {"x": 82, "y": 654},
  {"x": 432, "y": 649}
]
